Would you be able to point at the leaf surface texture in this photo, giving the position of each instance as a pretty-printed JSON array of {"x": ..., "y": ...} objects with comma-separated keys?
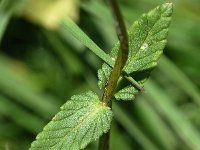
[
  {"x": 81, "y": 120},
  {"x": 147, "y": 39}
]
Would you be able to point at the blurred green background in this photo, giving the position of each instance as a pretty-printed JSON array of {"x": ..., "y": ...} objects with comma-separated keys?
[{"x": 42, "y": 66}]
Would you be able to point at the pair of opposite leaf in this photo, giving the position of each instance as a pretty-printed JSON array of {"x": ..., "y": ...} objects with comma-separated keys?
[{"x": 84, "y": 118}]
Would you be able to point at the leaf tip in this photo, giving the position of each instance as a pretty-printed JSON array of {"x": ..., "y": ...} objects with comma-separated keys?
[
  {"x": 167, "y": 9},
  {"x": 168, "y": 5}
]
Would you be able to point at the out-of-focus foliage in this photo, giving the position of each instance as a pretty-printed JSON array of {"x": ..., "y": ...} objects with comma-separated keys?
[
  {"x": 40, "y": 69},
  {"x": 49, "y": 13}
]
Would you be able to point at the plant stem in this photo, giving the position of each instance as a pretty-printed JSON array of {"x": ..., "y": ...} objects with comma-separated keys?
[
  {"x": 119, "y": 64},
  {"x": 69, "y": 25},
  {"x": 122, "y": 54},
  {"x": 134, "y": 83},
  {"x": 104, "y": 141}
]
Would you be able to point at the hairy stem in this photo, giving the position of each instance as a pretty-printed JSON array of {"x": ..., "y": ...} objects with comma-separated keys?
[
  {"x": 119, "y": 64},
  {"x": 122, "y": 54}
]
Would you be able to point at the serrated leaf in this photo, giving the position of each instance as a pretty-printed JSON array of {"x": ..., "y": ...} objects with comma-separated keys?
[
  {"x": 147, "y": 39},
  {"x": 81, "y": 120},
  {"x": 127, "y": 93},
  {"x": 104, "y": 74}
]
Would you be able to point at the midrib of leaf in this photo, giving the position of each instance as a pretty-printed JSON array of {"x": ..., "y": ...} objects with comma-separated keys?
[
  {"x": 147, "y": 37},
  {"x": 103, "y": 115},
  {"x": 82, "y": 122},
  {"x": 150, "y": 29},
  {"x": 148, "y": 34},
  {"x": 70, "y": 26}
]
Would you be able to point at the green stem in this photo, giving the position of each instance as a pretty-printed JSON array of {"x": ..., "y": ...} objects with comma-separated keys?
[
  {"x": 70, "y": 26},
  {"x": 122, "y": 54},
  {"x": 134, "y": 83},
  {"x": 119, "y": 64},
  {"x": 104, "y": 141}
]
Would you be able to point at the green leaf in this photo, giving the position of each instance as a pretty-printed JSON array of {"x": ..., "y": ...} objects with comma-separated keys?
[
  {"x": 104, "y": 74},
  {"x": 147, "y": 39},
  {"x": 127, "y": 93},
  {"x": 7, "y": 9},
  {"x": 81, "y": 120},
  {"x": 70, "y": 26}
]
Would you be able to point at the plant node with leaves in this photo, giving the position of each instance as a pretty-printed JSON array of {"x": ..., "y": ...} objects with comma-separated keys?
[{"x": 84, "y": 118}]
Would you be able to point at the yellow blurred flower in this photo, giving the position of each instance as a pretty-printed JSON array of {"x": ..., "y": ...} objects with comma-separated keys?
[{"x": 48, "y": 13}]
